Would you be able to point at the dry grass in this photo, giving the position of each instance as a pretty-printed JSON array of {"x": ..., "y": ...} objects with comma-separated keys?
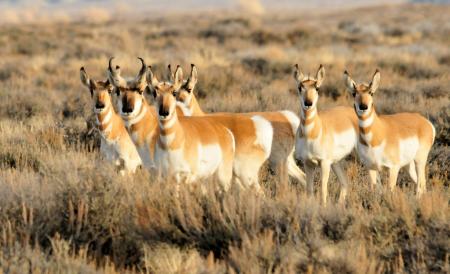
[{"x": 64, "y": 210}]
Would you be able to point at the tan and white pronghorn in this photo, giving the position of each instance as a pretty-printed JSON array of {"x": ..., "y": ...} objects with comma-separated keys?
[
  {"x": 284, "y": 124},
  {"x": 116, "y": 145},
  {"x": 190, "y": 148},
  {"x": 139, "y": 117},
  {"x": 391, "y": 141},
  {"x": 252, "y": 134},
  {"x": 325, "y": 137}
]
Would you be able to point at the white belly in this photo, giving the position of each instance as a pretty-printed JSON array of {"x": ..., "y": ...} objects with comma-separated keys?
[
  {"x": 407, "y": 150},
  {"x": 343, "y": 144},
  {"x": 307, "y": 149},
  {"x": 210, "y": 157}
]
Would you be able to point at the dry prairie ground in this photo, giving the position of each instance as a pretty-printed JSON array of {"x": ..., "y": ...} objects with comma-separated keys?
[{"x": 64, "y": 210}]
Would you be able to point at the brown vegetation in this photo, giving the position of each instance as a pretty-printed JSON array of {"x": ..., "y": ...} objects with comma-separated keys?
[{"x": 64, "y": 210}]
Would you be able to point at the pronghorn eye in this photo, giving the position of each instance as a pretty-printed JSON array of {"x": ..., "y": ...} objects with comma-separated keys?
[
  {"x": 354, "y": 94},
  {"x": 174, "y": 93}
]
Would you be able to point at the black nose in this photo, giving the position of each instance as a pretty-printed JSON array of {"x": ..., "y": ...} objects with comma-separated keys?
[
  {"x": 127, "y": 109},
  {"x": 363, "y": 107},
  {"x": 99, "y": 105},
  {"x": 308, "y": 103},
  {"x": 163, "y": 112}
]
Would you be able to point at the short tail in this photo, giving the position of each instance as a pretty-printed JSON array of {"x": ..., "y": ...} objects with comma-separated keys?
[{"x": 294, "y": 170}]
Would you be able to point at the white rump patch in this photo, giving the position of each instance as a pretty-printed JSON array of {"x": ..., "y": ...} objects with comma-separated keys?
[{"x": 264, "y": 133}]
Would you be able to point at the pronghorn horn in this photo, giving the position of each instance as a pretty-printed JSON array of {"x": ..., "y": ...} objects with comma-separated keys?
[
  {"x": 140, "y": 78},
  {"x": 114, "y": 75}
]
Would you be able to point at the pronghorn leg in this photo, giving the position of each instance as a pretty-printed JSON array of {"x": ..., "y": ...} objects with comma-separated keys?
[
  {"x": 325, "y": 174},
  {"x": 421, "y": 178},
  {"x": 393, "y": 174},
  {"x": 342, "y": 177},
  {"x": 309, "y": 169},
  {"x": 281, "y": 172},
  {"x": 374, "y": 178},
  {"x": 225, "y": 174},
  {"x": 412, "y": 171},
  {"x": 294, "y": 171}
]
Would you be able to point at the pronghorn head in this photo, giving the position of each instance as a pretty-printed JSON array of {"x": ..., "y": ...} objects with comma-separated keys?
[
  {"x": 363, "y": 93},
  {"x": 130, "y": 92},
  {"x": 308, "y": 87},
  {"x": 165, "y": 93},
  {"x": 186, "y": 92},
  {"x": 100, "y": 91}
]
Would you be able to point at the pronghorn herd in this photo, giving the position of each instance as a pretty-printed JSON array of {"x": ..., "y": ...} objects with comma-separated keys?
[{"x": 175, "y": 139}]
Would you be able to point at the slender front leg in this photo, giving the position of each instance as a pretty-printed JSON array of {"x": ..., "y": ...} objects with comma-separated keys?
[
  {"x": 325, "y": 174},
  {"x": 373, "y": 175},
  {"x": 393, "y": 174},
  {"x": 421, "y": 177},
  {"x": 342, "y": 177},
  {"x": 309, "y": 169}
]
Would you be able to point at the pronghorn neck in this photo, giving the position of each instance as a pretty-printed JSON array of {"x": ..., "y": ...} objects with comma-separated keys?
[
  {"x": 367, "y": 122},
  {"x": 310, "y": 123},
  {"x": 105, "y": 120},
  {"x": 143, "y": 116},
  {"x": 170, "y": 132},
  {"x": 194, "y": 107}
]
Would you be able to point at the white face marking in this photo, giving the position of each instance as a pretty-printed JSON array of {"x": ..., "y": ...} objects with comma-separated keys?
[
  {"x": 362, "y": 112},
  {"x": 106, "y": 119},
  {"x": 168, "y": 122},
  {"x": 264, "y": 133},
  {"x": 135, "y": 117}
]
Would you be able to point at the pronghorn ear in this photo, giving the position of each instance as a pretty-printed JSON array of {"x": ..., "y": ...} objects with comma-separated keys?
[
  {"x": 298, "y": 75},
  {"x": 375, "y": 81},
  {"x": 170, "y": 75},
  {"x": 320, "y": 76},
  {"x": 84, "y": 77},
  {"x": 151, "y": 78},
  {"x": 192, "y": 81},
  {"x": 178, "y": 78},
  {"x": 351, "y": 85},
  {"x": 85, "y": 80}
]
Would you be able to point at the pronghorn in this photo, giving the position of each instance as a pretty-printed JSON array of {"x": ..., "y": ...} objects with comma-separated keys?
[
  {"x": 252, "y": 134},
  {"x": 139, "y": 117},
  {"x": 116, "y": 145},
  {"x": 391, "y": 141},
  {"x": 190, "y": 148},
  {"x": 323, "y": 138},
  {"x": 284, "y": 124}
]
